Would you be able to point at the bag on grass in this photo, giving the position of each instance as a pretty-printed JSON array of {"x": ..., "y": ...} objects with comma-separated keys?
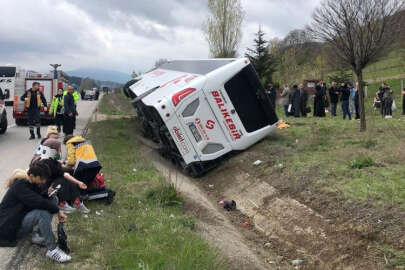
[
  {"x": 98, "y": 182},
  {"x": 62, "y": 239},
  {"x": 394, "y": 106}
]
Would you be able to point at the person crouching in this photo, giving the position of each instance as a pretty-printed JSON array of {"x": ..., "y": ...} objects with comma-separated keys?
[
  {"x": 49, "y": 154},
  {"x": 23, "y": 208}
]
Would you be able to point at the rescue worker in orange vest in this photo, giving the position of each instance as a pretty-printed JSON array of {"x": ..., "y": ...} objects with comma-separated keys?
[{"x": 34, "y": 99}]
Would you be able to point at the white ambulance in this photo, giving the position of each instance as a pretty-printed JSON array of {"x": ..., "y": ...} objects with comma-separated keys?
[{"x": 199, "y": 111}]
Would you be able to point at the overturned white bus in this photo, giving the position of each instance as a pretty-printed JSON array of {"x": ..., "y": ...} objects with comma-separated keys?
[{"x": 198, "y": 111}]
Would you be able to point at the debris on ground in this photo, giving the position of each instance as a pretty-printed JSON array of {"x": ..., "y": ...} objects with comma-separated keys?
[
  {"x": 132, "y": 227},
  {"x": 134, "y": 170},
  {"x": 211, "y": 186},
  {"x": 171, "y": 216},
  {"x": 282, "y": 125},
  {"x": 244, "y": 224},
  {"x": 281, "y": 165},
  {"x": 228, "y": 204},
  {"x": 98, "y": 213},
  {"x": 297, "y": 262},
  {"x": 257, "y": 162},
  {"x": 267, "y": 245}
]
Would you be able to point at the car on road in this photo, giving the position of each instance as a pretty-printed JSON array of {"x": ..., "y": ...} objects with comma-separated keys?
[{"x": 89, "y": 94}]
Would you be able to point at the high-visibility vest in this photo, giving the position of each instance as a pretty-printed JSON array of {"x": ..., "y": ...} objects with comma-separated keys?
[
  {"x": 75, "y": 95},
  {"x": 28, "y": 101}
]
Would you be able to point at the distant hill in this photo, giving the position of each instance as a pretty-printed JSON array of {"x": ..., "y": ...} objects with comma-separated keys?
[{"x": 100, "y": 75}]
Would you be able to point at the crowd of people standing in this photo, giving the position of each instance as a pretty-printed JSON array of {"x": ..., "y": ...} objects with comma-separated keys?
[
  {"x": 63, "y": 108},
  {"x": 295, "y": 100}
]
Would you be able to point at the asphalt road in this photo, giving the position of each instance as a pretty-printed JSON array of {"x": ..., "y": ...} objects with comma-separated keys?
[
  {"x": 16, "y": 152},
  {"x": 10, "y": 119}
]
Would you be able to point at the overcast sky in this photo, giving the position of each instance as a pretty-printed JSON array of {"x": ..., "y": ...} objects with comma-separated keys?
[{"x": 126, "y": 35}]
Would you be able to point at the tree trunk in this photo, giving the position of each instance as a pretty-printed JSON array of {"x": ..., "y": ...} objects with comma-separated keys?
[{"x": 363, "y": 126}]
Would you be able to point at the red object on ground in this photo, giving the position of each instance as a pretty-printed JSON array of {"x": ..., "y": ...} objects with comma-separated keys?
[
  {"x": 244, "y": 224},
  {"x": 98, "y": 182}
]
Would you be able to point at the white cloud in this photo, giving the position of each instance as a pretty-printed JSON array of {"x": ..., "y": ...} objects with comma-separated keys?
[{"x": 125, "y": 36}]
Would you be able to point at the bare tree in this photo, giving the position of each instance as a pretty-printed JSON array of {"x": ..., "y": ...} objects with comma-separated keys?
[
  {"x": 223, "y": 27},
  {"x": 359, "y": 31}
]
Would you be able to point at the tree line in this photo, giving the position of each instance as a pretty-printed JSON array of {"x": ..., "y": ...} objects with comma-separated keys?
[{"x": 343, "y": 34}]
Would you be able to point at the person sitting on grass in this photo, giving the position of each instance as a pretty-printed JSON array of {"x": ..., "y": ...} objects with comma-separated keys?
[
  {"x": 23, "y": 207},
  {"x": 82, "y": 159},
  {"x": 69, "y": 191},
  {"x": 51, "y": 133}
]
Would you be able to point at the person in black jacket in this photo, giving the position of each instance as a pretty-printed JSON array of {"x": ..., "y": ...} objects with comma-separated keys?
[
  {"x": 34, "y": 99},
  {"x": 69, "y": 112},
  {"x": 345, "y": 95},
  {"x": 334, "y": 98},
  {"x": 303, "y": 100},
  {"x": 271, "y": 91},
  {"x": 1, "y": 94},
  {"x": 319, "y": 100},
  {"x": 380, "y": 94},
  {"x": 23, "y": 207},
  {"x": 295, "y": 102}
]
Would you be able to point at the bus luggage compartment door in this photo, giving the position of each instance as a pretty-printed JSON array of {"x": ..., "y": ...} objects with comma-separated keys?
[{"x": 202, "y": 127}]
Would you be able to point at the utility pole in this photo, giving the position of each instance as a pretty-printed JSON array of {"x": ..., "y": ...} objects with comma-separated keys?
[{"x": 55, "y": 72}]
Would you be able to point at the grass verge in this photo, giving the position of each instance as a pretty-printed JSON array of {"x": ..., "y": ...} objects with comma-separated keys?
[
  {"x": 332, "y": 154},
  {"x": 116, "y": 104},
  {"x": 145, "y": 228}
]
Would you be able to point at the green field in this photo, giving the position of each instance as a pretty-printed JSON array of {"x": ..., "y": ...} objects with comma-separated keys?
[{"x": 361, "y": 166}]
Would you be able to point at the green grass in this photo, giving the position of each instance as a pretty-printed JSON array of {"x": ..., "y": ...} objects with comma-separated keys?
[
  {"x": 361, "y": 162},
  {"x": 386, "y": 67},
  {"x": 392, "y": 65},
  {"x": 145, "y": 228},
  {"x": 393, "y": 258},
  {"x": 116, "y": 104},
  {"x": 333, "y": 156}
]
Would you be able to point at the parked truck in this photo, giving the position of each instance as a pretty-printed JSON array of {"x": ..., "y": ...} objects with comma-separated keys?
[
  {"x": 200, "y": 111},
  {"x": 20, "y": 113}
]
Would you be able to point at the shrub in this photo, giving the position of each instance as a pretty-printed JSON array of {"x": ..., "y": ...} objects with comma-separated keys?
[
  {"x": 362, "y": 162},
  {"x": 165, "y": 195}
]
